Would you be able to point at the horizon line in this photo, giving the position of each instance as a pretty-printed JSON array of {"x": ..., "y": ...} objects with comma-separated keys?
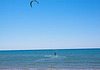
[{"x": 45, "y": 49}]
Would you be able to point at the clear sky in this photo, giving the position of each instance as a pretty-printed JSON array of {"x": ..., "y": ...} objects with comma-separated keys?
[{"x": 51, "y": 24}]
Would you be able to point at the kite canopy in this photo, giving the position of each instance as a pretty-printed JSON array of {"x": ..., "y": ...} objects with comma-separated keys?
[{"x": 32, "y": 2}]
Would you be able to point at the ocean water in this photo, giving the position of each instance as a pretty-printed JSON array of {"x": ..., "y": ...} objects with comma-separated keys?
[{"x": 66, "y": 59}]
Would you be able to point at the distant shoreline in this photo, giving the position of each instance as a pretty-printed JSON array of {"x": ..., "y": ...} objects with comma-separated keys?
[{"x": 48, "y": 49}]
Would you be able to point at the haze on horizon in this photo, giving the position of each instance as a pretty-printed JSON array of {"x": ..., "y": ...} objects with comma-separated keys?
[{"x": 53, "y": 24}]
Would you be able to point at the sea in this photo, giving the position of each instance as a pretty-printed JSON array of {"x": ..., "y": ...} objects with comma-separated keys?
[{"x": 65, "y": 59}]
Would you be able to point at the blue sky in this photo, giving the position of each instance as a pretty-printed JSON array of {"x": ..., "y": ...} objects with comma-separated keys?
[{"x": 51, "y": 24}]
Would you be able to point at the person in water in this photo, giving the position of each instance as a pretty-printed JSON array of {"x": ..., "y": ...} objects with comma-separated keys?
[{"x": 55, "y": 54}]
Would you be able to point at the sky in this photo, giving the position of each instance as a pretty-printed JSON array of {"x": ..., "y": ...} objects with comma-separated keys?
[{"x": 51, "y": 24}]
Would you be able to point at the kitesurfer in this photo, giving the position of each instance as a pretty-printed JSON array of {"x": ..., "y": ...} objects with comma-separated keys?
[{"x": 55, "y": 54}]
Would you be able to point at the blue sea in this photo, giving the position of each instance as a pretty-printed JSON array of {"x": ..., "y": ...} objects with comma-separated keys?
[{"x": 65, "y": 59}]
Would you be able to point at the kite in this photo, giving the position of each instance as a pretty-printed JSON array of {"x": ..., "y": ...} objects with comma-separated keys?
[{"x": 32, "y": 2}]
